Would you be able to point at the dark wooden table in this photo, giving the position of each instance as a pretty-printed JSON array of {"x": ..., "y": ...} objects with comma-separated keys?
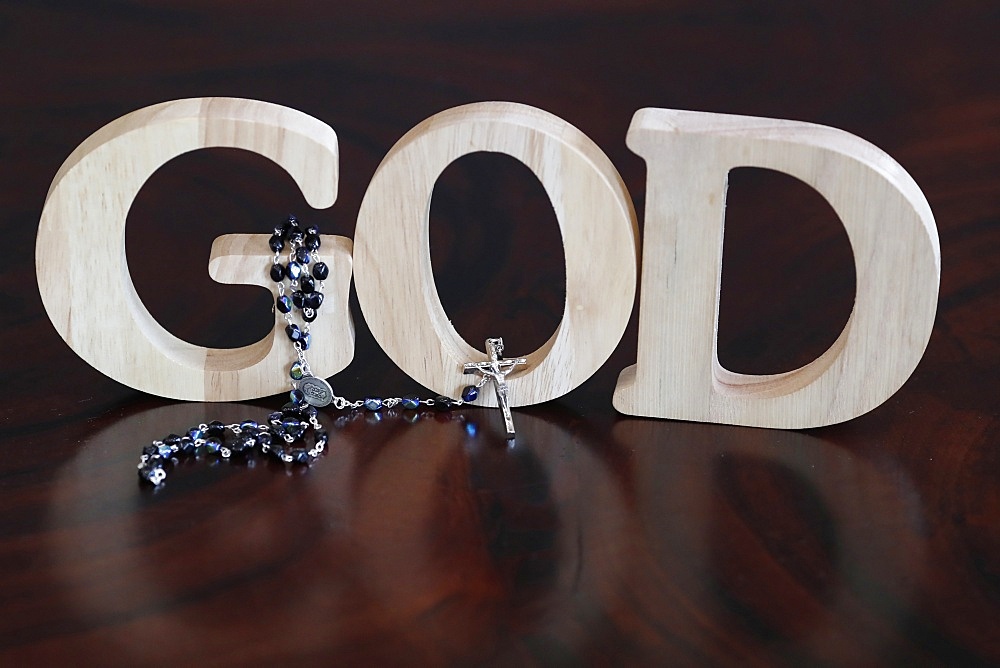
[{"x": 598, "y": 538}]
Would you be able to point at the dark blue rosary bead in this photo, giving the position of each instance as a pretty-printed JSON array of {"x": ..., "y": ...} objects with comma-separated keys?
[
  {"x": 306, "y": 341},
  {"x": 299, "y": 299},
  {"x": 294, "y": 427},
  {"x": 373, "y": 403},
  {"x": 296, "y": 236},
  {"x": 152, "y": 473},
  {"x": 215, "y": 428},
  {"x": 470, "y": 393},
  {"x": 275, "y": 417},
  {"x": 196, "y": 433},
  {"x": 300, "y": 457},
  {"x": 312, "y": 229},
  {"x": 290, "y": 233},
  {"x": 264, "y": 439},
  {"x": 212, "y": 445},
  {"x": 302, "y": 255},
  {"x": 293, "y": 271},
  {"x": 313, "y": 300},
  {"x": 297, "y": 396},
  {"x": 172, "y": 439},
  {"x": 283, "y": 304},
  {"x": 322, "y": 438},
  {"x": 307, "y": 284},
  {"x": 312, "y": 242},
  {"x": 151, "y": 450},
  {"x": 278, "y": 450},
  {"x": 243, "y": 444},
  {"x": 277, "y": 272},
  {"x": 293, "y": 332},
  {"x": 286, "y": 227},
  {"x": 309, "y": 411},
  {"x": 186, "y": 446},
  {"x": 320, "y": 271},
  {"x": 276, "y": 243},
  {"x": 410, "y": 402},
  {"x": 442, "y": 403},
  {"x": 249, "y": 425}
]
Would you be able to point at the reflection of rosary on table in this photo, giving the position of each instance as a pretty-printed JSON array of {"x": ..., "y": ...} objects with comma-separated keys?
[{"x": 283, "y": 435}]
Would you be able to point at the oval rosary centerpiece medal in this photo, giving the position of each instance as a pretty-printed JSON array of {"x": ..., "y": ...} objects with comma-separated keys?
[{"x": 316, "y": 390}]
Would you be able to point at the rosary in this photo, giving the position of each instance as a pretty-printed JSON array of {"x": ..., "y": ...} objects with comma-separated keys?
[{"x": 285, "y": 433}]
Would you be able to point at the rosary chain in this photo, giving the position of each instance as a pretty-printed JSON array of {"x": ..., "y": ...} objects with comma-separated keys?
[
  {"x": 290, "y": 424},
  {"x": 337, "y": 401}
]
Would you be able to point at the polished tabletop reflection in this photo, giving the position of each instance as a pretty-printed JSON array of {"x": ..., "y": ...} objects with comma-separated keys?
[{"x": 432, "y": 537}]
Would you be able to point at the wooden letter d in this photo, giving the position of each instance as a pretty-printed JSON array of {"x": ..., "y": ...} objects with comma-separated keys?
[{"x": 896, "y": 253}]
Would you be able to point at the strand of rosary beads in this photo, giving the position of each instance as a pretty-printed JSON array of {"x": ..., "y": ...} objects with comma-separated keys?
[{"x": 283, "y": 435}]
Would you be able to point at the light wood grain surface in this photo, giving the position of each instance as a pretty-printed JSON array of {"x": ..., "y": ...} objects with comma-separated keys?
[{"x": 896, "y": 256}]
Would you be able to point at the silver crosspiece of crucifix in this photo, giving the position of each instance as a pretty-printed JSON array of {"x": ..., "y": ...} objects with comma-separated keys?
[{"x": 496, "y": 369}]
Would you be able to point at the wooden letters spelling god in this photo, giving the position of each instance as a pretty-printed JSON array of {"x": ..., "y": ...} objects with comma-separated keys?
[{"x": 677, "y": 373}]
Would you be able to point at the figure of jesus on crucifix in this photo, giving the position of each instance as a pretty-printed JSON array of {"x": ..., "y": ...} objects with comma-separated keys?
[{"x": 496, "y": 369}]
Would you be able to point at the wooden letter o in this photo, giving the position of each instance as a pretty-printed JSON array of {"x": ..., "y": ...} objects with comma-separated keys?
[
  {"x": 393, "y": 273},
  {"x": 83, "y": 276},
  {"x": 896, "y": 254}
]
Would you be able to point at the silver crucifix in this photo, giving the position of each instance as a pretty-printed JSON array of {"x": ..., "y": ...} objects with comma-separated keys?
[{"x": 496, "y": 369}]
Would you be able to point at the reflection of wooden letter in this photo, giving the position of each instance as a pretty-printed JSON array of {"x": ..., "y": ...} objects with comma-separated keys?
[
  {"x": 896, "y": 254},
  {"x": 80, "y": 254},
  {"x": 393, "y": 272}
]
